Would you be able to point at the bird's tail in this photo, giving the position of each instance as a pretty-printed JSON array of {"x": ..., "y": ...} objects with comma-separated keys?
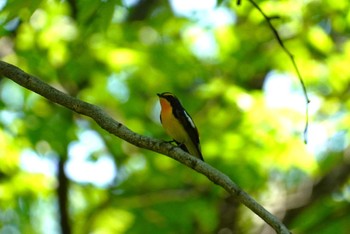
[{"x": 193, "y": 150}]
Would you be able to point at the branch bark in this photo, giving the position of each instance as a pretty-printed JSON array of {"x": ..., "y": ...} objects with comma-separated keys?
[{"x": 116, "y": 128}]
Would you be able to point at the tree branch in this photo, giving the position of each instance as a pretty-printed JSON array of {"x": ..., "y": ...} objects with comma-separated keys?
[{"x": 114, "y": 127}]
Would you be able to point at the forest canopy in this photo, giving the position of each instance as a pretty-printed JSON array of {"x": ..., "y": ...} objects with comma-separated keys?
[{"x": 60, "y": 172}]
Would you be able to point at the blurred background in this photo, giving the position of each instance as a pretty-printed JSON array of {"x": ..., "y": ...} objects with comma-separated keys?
[{"x": 61, "y": 173}]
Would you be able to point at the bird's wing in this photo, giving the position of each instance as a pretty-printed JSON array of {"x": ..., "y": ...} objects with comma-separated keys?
[
  {"x": 186, "y": 121},
  {"x": 191, "y": 129}
]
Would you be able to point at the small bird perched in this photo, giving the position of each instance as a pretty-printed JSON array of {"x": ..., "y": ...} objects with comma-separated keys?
[{"x": 179, "y": 125}]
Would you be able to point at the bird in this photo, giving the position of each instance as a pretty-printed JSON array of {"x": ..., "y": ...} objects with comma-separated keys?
[{"x": 179, "y": 125}]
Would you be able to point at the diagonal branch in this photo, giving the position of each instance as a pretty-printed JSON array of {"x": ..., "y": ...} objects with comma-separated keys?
[
  {"x": 291, "y": 56},
  {"x": 114, "y": 127}
]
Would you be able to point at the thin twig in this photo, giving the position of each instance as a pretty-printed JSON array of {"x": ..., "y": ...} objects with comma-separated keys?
[{"x": 291, "y": 56}]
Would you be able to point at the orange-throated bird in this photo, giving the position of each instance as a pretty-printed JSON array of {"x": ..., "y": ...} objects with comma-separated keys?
[{"x": 179, "y": 125}]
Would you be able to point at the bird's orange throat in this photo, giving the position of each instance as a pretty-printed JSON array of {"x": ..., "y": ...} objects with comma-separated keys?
[{"x": 166, "y": 107}]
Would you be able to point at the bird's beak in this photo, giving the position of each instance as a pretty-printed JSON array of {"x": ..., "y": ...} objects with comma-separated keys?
[{"x": 158, "y": 94}]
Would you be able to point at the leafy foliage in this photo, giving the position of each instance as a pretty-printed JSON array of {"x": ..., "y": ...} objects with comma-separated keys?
[{"x": 226, "y": 66}]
